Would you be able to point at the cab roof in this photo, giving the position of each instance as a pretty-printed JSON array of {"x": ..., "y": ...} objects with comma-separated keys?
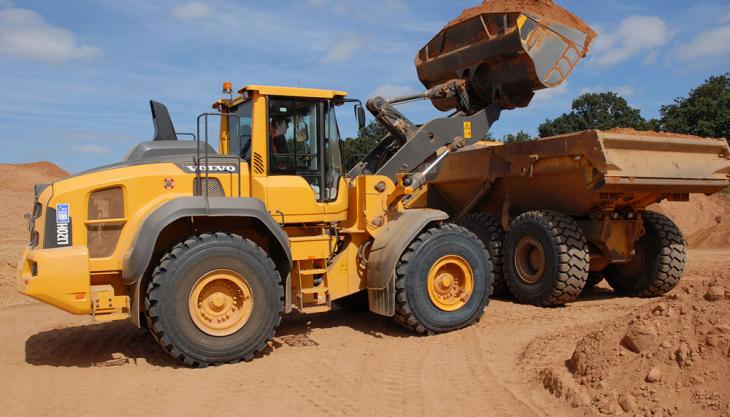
[
  {"x": 293, "y": 91},
  {"x": 268, "y": 90}
]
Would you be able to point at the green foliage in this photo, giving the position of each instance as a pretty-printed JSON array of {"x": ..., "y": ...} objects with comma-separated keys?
[
  {"x": 520, "y": 136},
  {"x": 705, "y": 112},
  {"x": 354, "y": 149},
  {"x": 601, "y": 111}
]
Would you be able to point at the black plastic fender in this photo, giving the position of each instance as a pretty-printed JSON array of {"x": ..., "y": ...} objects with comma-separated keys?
[{"x": 387, "y": 249}]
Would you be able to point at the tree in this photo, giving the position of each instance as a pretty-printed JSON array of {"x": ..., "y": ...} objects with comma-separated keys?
[
  {"x": 518, "y": 137},
  {"x": 601, "y": 111},
  {"x": 353, "y": 149},
  {"x": 705, "y": 112}
]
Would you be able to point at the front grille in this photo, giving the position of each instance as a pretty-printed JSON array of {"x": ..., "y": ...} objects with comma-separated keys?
[
  {"x": 106, "y": 212},
  {"x": 208, "y": 187},
  {"x": 102, "y": 239}
]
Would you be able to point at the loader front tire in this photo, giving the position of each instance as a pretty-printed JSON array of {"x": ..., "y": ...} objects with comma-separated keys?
[
  {"x": 658, "y": 264},
  {"x": 443, "y": 280},
  {"x": 546, "y": 259},
  {"x": 488, "y": 228},
  {"x": 213, "y": 299}
]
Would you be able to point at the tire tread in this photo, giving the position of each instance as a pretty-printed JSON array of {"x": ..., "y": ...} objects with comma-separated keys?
[{"x": 160, "y": 278}]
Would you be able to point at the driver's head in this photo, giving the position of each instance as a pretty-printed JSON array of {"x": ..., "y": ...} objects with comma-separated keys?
[{"x": 278, "y": 127}]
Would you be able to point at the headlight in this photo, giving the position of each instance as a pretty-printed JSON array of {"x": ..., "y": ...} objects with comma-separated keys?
[{"x": 105, "y": 222}]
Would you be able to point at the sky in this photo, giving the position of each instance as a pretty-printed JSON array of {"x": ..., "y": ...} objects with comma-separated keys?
[{"x": 76, "y": 75}]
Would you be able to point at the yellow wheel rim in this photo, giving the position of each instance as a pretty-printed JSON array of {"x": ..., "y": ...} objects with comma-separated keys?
[
  {"x": 221, "y": 302},
  {"x": 450, "y": 283}
]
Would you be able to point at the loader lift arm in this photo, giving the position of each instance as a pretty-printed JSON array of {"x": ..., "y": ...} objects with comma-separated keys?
[{"x": 407, "y": 146}]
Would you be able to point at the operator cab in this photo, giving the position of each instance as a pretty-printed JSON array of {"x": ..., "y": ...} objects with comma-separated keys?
[{"x": 290, "y": 139}]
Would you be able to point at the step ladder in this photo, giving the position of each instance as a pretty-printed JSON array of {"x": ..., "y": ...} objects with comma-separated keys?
[{"x": 312, "y": 298}]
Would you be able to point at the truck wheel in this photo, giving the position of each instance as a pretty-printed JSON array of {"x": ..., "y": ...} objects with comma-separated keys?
[
  {"x": 215, "y": 298},
  {"x": 659, "y": 262},
  {"x": 546, "y": 259},
  {"x": 488, "y": 228},
  {"x": 443, "y": 280},
  {"x": 594, "y": 278}
]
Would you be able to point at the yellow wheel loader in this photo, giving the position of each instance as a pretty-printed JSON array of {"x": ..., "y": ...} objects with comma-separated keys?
[
  {"x": 208, "y": 247},
  {"x": 211, "y": 247}
]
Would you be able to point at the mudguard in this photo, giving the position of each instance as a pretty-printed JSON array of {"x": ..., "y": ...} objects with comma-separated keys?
[
  {"x": 138, "y": 257},
  {"x": 387, "y": 249}
]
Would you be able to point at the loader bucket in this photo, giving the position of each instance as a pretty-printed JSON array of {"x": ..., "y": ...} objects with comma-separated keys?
[{"x": 504, "y": 50}]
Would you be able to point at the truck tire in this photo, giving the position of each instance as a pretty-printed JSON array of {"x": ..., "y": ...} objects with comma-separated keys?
[
  {"x": 443, "y": 280},
  {"x": 215, "y": 298},
  {"x": 488, "y": 228},
  {"x": 546, "y": 259},
  {"x": 659, "y": 262},
  {"x": 594, "y": 278}
]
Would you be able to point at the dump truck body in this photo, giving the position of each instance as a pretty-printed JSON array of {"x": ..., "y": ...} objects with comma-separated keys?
[
  {"x": 579, "y": 172},
  {"x": 603, "y": 180}
]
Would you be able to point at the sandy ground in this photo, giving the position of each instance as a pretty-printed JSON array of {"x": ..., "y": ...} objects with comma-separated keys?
[
  {"x": 515, "y": 362},
  {"x": 337, "y": 363}
]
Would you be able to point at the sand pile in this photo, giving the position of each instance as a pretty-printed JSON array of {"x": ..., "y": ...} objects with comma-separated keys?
[
  {"x": 704, "y": 221},
  {"x": 713, "y": 237},
  {"x": 16, "y": 188},
  {"x": 670, "y": 358}
]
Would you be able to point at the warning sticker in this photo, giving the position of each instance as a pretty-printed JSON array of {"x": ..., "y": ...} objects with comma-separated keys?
[{"x": 467, "y": 130}]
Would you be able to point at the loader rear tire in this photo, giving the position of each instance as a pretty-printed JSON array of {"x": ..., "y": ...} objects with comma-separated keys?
[
  {"x": 213, "y": 299},
  {"x": 546, "y": 259},
  {"x": 443, "y": 280},
  {"x": 488, "y": 228},
  {"x": 659, "y": 262}
]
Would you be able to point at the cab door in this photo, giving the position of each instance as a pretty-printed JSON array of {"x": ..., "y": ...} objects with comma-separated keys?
[{"x": 295, "y": 160}]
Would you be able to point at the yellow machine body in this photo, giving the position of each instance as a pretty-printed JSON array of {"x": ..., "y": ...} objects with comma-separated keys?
[{"x": 88, "y": 276}]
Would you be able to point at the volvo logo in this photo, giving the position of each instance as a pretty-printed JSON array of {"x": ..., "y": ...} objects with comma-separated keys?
[{"x": 212, "y": 168}]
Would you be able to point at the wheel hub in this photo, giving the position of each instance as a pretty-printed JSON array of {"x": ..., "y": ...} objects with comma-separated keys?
[
  {"x": 220, "y": 302},
  {"x": 529, "y": 260},
  {"x": 450, "y": 283}
]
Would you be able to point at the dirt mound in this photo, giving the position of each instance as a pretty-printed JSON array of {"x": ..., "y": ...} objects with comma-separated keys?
[
  {"x": 544, "y": 8},
  {"x": 704, "y": 221},
  {"x": 671, "y": 357},
  {"x": 713, "y": 237},
  {"x": 16, "y": 188}
]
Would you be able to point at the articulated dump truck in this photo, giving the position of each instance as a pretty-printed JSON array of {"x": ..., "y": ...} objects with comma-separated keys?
[
  {"x": 559, "y": 214},
  {"x": 207, "y": 247}
]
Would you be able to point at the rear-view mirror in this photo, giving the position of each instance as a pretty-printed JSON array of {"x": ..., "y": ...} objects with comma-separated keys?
[{"x": 360, "y": 114}]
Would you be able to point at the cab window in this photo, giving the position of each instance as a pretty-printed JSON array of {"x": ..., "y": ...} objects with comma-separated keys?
[
  {"x": 294, "y": 139},
  {"x": 333, "y": 160},
  {"x": 240, "y": 136}
]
